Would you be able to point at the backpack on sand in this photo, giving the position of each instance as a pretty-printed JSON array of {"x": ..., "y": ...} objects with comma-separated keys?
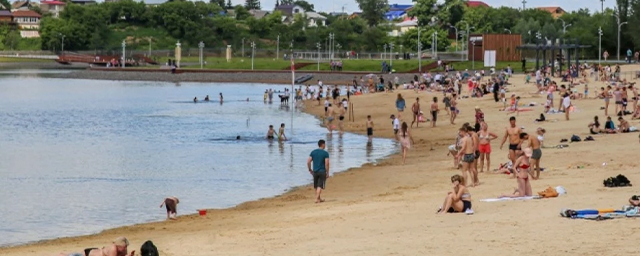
[{"x": 148, "y": 249}]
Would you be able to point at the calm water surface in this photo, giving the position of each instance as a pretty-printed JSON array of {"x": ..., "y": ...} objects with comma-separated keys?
[{"x": 79, "y": 156}]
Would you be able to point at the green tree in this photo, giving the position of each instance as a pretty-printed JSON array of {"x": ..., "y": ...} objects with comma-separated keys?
[
  {"x": 373, "y": 10},
  {"x": 229, "y": 5},
  {"x": 12, "y": 39},
  {"x": 241, "y": 12},
  {"x": 426, "y": 11},
  {"x": 252, "y": 4},
  {"x": 305, "y": 5},
  {"x": 218, "y": 2}
]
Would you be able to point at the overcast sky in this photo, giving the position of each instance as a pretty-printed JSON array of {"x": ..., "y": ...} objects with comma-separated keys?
[{"x": 351, "y": 6}]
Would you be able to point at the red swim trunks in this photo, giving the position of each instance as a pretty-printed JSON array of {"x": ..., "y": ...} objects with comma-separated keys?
[{"x": 485, "y": 148}]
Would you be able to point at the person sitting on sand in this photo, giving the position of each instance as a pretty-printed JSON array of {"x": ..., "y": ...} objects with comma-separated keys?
[
  {"x": 624, "y": 125},
  {"x": 118, "y": 248},
  {"x": 609, "y": 126},
  {"x": 459, "y": 200},
  {"x": 594, "y": 128},
  {"x": 171, "y": 204},
  {"x": 522, "y": 167},
  {"x": 635, "y": 200}
]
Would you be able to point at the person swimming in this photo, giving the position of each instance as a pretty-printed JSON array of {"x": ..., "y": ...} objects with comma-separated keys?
[
  {"x": 195, "y": 99},
  {"x": 238, "y": 137},
  {"x": 206, "y": 98}
]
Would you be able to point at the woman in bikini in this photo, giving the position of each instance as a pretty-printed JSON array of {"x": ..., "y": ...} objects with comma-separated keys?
[
  {"x": 405, "y": 139},
  {"x": 118, "y": 248},
  {"x": 454, "y": 112},
  {"x": 459, "y": 200},
  {"x": 484, "y": 145},
  {"x": 594, "y": 128},
  {"x": 522, "y": 167}
]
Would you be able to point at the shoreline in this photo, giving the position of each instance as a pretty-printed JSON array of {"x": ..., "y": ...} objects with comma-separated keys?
[
  {"x": 388, "y": 208},
  {"x": 292, "y": 191},
  {"x": 231, "y": 76}
]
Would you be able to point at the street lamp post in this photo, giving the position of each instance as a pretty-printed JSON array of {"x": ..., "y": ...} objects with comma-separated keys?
[
  {"x": 62, "y": 43},
  {"x": 602, "y": 6},
  {"x": 332, "y": 38},
  {"x": 435, "y": 49},
  {"x": 124, "y": 45},
  {"x": 319, "y": 47},
  {"x": 599, "y": 45},
  {"x": 419, "y": 52},
  {"x": 149, "y": 47},
  {"x": 201, "y": 46},
  {"x": 619, "y": 28},
  {"x": 384, "y": 56},
  {"x": 524, "y": 3},
  {"x": 456, "y": 29},
  {"x": 391, "y": 55},
  {"x": 278, "y": 48},
  {"x": 339, "y": 47},
  {"x": 473, "y": 54},
  {"x": 253, "y": 52},
  {"x": 243, "y": 47}
]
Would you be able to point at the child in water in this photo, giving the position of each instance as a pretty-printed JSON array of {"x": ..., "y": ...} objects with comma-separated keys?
[
  {"x": 369, "y": 127},
  {"x": 270, "y": 133},
  {"x": 281, "y": 135}
]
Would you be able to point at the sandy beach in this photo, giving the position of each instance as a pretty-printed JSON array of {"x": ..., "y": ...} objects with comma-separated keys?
[{"x": 389, "y": 208}]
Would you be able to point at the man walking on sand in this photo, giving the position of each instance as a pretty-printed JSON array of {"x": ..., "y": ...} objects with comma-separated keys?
[
  {"x": 467, "y": 154},
  {"x": 513, "y": 133},
  {"x": 320, "y": 171}
]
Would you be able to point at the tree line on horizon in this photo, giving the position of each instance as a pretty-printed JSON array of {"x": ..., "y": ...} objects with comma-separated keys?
[{"x": 104, "y": 26}]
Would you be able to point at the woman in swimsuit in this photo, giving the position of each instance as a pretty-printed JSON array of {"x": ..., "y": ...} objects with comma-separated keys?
[
  {"x": 484, "y": 145},
  {"x": 459, "y": 200},
  {"x": 453, "y": 109},
  {"x": 594, "y": 127},
  {"x": 522, "y": 167},
  {"x": 118, "y": 248},
  {"x": 405, "y": 139}
]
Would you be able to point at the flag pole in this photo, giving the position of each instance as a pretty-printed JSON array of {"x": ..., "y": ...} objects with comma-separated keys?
[{"x": 293, "y": 80}]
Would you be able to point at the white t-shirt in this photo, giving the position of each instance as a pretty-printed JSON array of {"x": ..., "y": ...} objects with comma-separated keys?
[
  {"x": 326, "y": 103},
  {"x": 319, "y": 83},
  {"x": 396, "y": 124},
  {"x": 345, "y": 104},
  {"x": 566, "y": 102}
]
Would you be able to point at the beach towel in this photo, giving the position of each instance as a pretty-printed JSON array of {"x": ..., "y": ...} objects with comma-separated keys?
[
  {"x": 600, "y": 214},
  {"x": 509, "y": 198}
]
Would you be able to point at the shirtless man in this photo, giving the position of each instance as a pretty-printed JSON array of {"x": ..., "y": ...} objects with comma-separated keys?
[
  {"x": 466, "y": 153},
  {"x": 330, "y": 118},
  {"x": 341, "y": 112},
  {"x": 476, "y": 141},
  {"x": 118, "y": 248},
  {"x": 535, "y": 145},
  {"x": 415, "y": 108},
  {"x": 434, "y": 111},
  {"x": 513, "y": 133}
]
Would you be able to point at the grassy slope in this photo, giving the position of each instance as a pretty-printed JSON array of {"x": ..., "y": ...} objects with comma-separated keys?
[{"x": 9, "y": 60}]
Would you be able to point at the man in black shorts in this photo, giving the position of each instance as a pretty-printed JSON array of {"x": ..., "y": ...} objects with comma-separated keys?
[
  {"x": 513, "y": 134},
  {"x": 320, "y": 171}
]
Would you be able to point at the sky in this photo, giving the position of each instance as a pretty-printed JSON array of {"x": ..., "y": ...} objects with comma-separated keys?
[{"x": 351, "y": 5}]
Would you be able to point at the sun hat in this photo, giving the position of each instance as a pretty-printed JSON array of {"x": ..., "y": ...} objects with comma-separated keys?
[{"x": 121, "y": 241}]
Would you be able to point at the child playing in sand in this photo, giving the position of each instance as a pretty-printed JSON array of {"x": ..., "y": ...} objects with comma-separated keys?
[{"x": 527, "y": 78}]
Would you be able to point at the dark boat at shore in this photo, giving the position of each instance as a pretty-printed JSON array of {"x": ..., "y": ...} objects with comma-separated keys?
[{"x": 303, "y": 79}]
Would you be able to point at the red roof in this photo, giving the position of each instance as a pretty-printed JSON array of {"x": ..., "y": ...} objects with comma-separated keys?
[
  {"x": 26, "y": 14},
  {"x": 52, "y": 2},
  {"x": 476, "y": 4}
]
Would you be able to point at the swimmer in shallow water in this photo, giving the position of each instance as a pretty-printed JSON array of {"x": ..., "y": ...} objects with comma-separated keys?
[
  {"x": 270, "y": 133},
  {"x": 281, "y": 135},
  {"x": 238, "y": 137},
  {"x": 195, "y": 99},
  {"x": 206, "y": 98}
]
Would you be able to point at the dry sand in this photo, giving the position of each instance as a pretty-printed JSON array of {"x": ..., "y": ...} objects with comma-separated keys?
[{"x": 389, "y": 209}]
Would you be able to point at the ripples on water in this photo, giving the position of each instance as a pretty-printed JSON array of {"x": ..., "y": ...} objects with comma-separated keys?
[{"x": 79, "y": 156}]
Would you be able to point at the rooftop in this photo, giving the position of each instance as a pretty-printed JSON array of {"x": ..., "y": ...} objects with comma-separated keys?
[
  {"x": 52, "y": 2},
  {"x": 5, "y": 13},
  {"x": 476, "y": 4},
  {"x": 28, "y": 13}
]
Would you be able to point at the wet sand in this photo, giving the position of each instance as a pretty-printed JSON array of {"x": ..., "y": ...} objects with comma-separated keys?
[{"x": 389, "y": 208}]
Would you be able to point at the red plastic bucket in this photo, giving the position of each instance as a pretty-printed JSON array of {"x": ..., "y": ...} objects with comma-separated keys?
[{"x": 202, "y": 212}]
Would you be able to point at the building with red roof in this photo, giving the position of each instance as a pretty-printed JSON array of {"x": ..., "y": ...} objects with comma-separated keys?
[
  {"x": 474, "y": 4},
  {"x": 53, "y": 7},
  {"x": 28, "y": 22}
]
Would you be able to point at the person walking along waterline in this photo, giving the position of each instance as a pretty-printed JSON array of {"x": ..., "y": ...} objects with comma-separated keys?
[
  {"x": 171, "y": 204},
  {"x": 320, "y": 171}
]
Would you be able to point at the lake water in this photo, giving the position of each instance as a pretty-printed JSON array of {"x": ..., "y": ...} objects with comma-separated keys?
[{"x": 80, "y": 156}]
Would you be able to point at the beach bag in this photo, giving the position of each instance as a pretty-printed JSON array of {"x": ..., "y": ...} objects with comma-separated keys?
[
  {"x": 148, "y": 249},
  {"x": 575, "y": 138},
  {"x": 618, "y": 181},
  {"x": 548, "y": 193}
]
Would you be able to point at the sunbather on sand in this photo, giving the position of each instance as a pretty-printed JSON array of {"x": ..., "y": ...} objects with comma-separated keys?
[
  {"x": 634, "y": 200},
  {"x": 522, "y": 167},
  {"x": 459, "y": 200}
]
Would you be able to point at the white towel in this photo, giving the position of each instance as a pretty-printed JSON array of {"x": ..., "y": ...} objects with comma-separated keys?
[{"x": 509, "y": 198}]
